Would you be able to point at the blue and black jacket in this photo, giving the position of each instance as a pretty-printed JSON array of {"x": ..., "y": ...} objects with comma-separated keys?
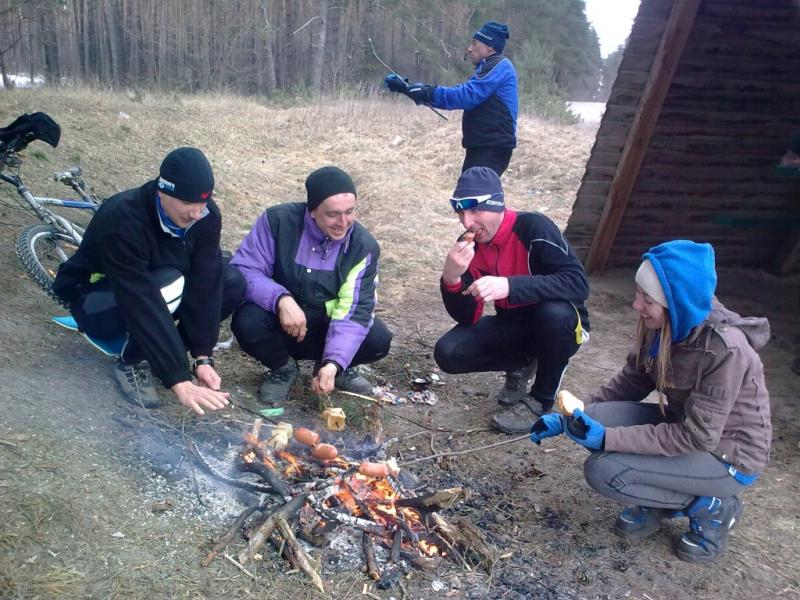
[{"x": 489, "y": 101}]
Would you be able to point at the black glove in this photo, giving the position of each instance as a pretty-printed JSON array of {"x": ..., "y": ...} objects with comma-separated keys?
[
  {"x": 394, "y": 83},
  {"x": 421, "y": 93}
]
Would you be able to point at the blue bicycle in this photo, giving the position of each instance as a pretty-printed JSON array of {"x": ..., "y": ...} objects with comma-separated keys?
[{"x": 44, "y": 246}]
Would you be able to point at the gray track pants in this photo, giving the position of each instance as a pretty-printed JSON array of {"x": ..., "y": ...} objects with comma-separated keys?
[{"x": 669, "y": 482}]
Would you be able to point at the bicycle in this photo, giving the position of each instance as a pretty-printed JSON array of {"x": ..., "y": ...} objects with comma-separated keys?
[{"x": 42, "y": 247}]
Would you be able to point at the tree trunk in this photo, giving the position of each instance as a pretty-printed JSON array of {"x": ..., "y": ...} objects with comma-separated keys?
[
  {"x": 112, "y": 23},
  {"x": 318, "y": 46}
]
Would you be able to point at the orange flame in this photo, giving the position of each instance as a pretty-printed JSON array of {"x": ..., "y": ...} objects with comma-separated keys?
[
  {"x": 294, "y": 467},
  {"x": 428, "y": 549}
]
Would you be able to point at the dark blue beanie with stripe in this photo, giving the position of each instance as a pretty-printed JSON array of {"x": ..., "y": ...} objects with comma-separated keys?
[{"x": 493, "y": 34}]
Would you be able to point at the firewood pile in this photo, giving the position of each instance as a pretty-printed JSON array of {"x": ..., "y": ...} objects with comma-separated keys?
[{"x": 309, "y": 492}]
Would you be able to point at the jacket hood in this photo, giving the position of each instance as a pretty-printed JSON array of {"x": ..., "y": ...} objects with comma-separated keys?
[
  {"x": 688, "y": 277},
  {"x": 756, "y": 329}
]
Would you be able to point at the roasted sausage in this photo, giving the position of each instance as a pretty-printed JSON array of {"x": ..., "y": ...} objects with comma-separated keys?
[
  {"x": 381, "y": 469},
  {"x": 370, "y": 469},
  {"x": 324, "y": 452},
  {"x": 306, "y": 436}
]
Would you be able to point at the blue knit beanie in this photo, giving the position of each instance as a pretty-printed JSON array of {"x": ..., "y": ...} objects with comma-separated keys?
[
  {"x": 688, "y": 277},
  {"x": 493, "y": 34}
]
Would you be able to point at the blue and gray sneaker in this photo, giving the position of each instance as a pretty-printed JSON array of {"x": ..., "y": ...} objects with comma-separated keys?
[{"x": 710, "y": 521}]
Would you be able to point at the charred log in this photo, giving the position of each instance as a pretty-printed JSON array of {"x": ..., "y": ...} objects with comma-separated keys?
[
  {"x": 278, "y": 485},
  {"x": 369, "y": 556},
  {"x": 435, "y": 501},
  {"x": 228, "y": 536},
  {"x": 261, "y": 535}
]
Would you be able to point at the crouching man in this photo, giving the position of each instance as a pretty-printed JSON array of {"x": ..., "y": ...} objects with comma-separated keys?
[
  {"x": 522, "y": 263},
  {"x": 151, "y": 257},
  {"x": 312, "y": 274}
]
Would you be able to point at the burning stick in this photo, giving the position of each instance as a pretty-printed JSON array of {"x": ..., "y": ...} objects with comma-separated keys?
[
  {"x": 227, "y": 537},
  {"x": 277, "y": 485},
  {"x": 397, "y": 541},
  {"x": 369, "y": 554},
  {"x": 261, "y": 535},
  {"x": 361, "y": 524},
  {"x": 409, "y": 533},
  {"x": 435, "y": 501},
  {"x": 253, "y": 487},
  {"x": 302, "y": 557}
]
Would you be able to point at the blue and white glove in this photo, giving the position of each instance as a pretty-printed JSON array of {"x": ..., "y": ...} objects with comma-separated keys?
[
  {"x": 584, "y": 430},
  {"x": 394, "y": 83},
  {"x": 550, "y": 425}
]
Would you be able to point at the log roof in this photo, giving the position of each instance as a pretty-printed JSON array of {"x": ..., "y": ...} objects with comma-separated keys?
[{"x": 705, "y": 101}]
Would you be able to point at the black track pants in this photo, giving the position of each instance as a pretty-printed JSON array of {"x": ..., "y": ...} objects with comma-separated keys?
[
  {"x": 545, "y": 331},
  {"x": 259, "y": 333}
]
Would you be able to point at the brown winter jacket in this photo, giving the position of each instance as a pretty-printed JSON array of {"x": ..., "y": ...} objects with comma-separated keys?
[{"x": 717, "y": 399}]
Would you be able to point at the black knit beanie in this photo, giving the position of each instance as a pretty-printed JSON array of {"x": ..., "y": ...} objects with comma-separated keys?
[
  {"x": 326, "y": 182},
  {"x": 186, "y": 174}
]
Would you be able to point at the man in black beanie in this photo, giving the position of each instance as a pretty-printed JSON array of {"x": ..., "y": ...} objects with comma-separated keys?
[
  {"x": 489, "y": 100},
  {"x": 151, "y": 257},
  {"x": 311, "y": 274}
]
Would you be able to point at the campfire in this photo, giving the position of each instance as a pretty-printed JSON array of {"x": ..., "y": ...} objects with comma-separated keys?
[{"x": 311, "y": 491}]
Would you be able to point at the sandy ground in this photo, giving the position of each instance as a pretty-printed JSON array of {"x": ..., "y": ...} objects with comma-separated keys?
[{"x": 84, "y": 479}]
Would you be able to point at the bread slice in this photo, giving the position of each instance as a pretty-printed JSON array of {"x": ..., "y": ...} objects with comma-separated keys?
[{"x": 566, "y": 403}]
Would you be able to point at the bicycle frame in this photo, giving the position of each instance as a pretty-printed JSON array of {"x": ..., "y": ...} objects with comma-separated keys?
[{"x": 39, "y": 203}]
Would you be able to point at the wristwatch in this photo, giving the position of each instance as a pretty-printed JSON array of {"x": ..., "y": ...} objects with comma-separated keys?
[{"x": 201, "y": 361}]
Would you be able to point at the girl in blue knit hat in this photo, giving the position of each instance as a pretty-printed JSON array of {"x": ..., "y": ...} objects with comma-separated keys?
[{"x": 708, "y": 438}]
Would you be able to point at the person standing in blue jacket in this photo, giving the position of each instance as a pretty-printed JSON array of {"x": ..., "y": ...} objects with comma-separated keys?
[{"x": 489, "y": 100}]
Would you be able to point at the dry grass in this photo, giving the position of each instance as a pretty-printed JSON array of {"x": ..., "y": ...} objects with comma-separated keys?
[{"x": 405, "y": 161}]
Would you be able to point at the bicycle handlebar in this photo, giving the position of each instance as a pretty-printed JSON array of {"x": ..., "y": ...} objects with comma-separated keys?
[{"x": 68, "y": 176}]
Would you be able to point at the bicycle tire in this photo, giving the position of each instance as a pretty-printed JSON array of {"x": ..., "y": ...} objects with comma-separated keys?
[{"x": 36, "y": 247}]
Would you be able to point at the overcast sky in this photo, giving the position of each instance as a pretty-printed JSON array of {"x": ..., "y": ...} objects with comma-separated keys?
[{"x": 612, "y": 21}]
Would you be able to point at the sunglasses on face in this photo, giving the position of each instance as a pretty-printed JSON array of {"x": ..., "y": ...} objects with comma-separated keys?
[{"x": 460, "y": 204}]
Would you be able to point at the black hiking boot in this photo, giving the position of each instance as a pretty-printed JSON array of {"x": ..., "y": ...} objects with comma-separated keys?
[
  {"x": 351, "y": 381},
  {"x": 521, "y": 417},
  {"x": 136, "y": 383},
  {"x": 516, "y": 386},
  {"x": 710, "y": 521},
  {"x": 636, "y": 522},
  {"x": 278, "y": 383}
]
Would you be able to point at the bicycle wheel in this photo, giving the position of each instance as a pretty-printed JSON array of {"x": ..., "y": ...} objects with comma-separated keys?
[{"x": 42, "y": 248}]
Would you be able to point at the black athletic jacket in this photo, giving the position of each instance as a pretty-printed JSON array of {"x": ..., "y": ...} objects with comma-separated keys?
[{"x": 125, "y": 242}]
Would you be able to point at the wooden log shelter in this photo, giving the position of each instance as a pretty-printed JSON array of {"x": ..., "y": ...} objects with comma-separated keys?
[{"x": 704, "y": 105}]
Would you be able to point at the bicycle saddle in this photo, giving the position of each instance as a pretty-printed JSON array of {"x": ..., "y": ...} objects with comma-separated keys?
[{"x": 27, "y": 128}]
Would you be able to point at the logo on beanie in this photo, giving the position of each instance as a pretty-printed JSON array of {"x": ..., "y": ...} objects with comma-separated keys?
[
  {"x": 488, "y": 38},
  {"x": 205, "y": 195},
  {"x": 163, "y": 184}
]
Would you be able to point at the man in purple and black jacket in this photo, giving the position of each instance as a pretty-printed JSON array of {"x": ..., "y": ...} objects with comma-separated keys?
[{"x": 312, "y": 274}]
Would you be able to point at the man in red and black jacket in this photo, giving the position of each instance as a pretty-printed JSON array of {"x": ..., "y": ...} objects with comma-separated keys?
[{"x": 522, "y": 263}]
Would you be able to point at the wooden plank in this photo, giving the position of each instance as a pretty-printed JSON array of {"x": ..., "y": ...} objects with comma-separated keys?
[
  {"x": 655, "y": 8},
  {"x": 788, "y": 258},
  {"x": 604, "y": 157},
  {"x": 648, "y": 27},
  {"x": 630, "y": 79},
  {"x": 684, "y": 201},
  {"x": 669, "y": 52}
]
